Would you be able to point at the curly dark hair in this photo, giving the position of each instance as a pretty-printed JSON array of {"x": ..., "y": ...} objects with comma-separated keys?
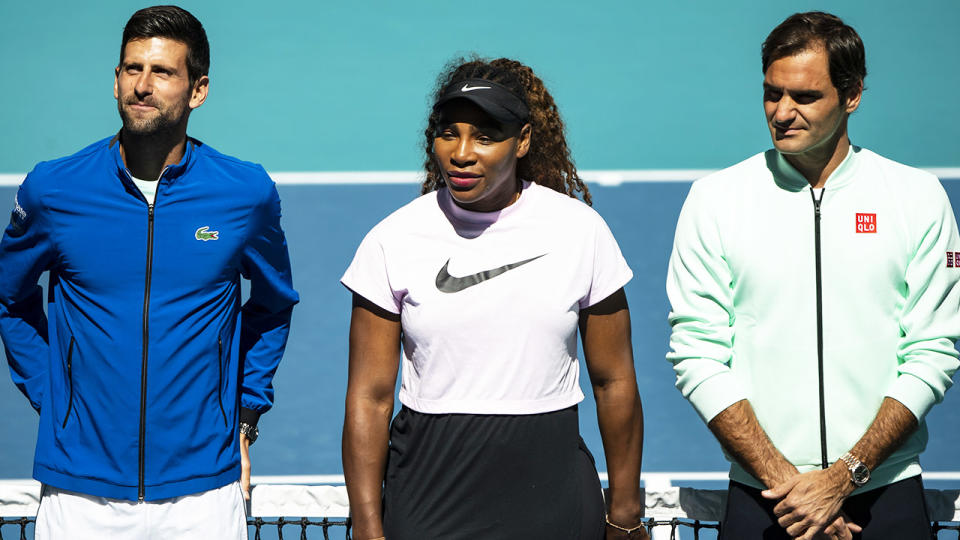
[{"x": 548, "y": 161}]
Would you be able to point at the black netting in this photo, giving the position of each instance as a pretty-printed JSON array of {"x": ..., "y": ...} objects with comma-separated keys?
[
  {"x": 303, "y": 528},
  {"x": 335, "y": 529}
]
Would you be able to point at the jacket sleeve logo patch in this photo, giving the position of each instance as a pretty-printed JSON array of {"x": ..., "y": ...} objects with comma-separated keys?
[
  {"x": 953, "y": 259},
  {"x": 18, "y": 210},
  {"x": 18, "y": 218},
  {"x": 204, "y": 233},
  {"x": 866, "y": 223}
]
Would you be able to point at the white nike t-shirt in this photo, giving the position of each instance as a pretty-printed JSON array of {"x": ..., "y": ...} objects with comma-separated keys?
[{"x": 489, "y": 302}]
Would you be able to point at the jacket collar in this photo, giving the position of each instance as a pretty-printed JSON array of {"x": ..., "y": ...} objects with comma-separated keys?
[
  {"x": 171, "y": 172},
  {"x": 789, "y": 178}
]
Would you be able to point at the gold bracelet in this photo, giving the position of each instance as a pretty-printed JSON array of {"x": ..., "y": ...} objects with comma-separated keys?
[{"x": 624, "y": 529}]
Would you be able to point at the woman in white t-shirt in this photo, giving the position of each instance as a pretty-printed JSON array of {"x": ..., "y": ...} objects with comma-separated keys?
[{"x": 484, "y": 281}]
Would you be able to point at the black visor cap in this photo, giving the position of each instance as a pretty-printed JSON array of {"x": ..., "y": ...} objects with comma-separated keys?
[{"x": 495, "y": 99}]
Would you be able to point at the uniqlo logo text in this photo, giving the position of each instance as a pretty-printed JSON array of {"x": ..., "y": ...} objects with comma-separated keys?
[
  {"x": 866, "y": 223},
  {"x": 953, "y": 259}
]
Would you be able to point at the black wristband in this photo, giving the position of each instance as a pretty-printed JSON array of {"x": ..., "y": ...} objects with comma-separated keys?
[{"x": 249, "y": 416}]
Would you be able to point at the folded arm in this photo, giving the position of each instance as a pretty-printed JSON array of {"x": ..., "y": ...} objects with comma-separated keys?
[
  {"x": 265, "y": 317},
  {"x": 26, "y": 251}
]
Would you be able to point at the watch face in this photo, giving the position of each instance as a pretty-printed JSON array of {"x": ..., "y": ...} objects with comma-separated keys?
[{"x": 861, "y": 474}]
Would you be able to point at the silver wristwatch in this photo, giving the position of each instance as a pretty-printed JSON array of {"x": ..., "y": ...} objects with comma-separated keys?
[
  {"x": 250, "y": 431},
  {"x": 859, "y": 473}
]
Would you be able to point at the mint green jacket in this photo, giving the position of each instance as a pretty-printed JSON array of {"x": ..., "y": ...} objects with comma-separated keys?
[{"x": 742, "y": 287}]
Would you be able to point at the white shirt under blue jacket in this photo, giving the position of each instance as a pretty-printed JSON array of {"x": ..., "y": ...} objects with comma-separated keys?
[
  {"x": 144, "y": 365},
  {"x": 742, "y": 285}
]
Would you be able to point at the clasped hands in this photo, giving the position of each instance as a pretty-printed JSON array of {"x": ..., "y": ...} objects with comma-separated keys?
[{"x": 810, "y": 503}]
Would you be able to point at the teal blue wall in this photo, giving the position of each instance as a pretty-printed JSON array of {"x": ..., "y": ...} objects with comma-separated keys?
[{"x": 317, "y": 85}]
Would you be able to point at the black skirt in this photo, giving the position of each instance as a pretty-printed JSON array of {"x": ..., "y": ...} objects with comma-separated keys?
[{"x": 467, "y": 476}]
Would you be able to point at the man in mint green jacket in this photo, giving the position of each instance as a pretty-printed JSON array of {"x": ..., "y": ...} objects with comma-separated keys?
[{"x": 815, "y": 305}]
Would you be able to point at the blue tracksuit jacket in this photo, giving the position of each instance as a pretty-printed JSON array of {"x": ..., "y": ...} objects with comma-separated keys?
[{"x": 141, "y": 366}]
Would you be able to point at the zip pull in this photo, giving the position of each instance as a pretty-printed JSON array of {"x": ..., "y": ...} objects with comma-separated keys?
[{"x": 817, "y": 201}]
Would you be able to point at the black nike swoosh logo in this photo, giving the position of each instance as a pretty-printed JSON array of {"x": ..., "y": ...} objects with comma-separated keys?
[{"x": 451, "y": 284}]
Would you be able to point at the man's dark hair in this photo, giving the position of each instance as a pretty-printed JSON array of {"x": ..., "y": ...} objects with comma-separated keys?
[
  {"x": 804, "y": 31},
  {"x": 176, "y": 23}
]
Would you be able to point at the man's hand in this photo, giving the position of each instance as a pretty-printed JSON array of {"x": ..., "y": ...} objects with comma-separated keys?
[
  {"x": 841, "y": 529},
  {"x": 811, "y": 503},
  {"x": 245, "y": 466}
]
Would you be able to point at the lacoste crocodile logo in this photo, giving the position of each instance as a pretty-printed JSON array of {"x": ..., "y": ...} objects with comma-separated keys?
[
  {"x": 451, "y": 284},
  {"x": 203, "y": 233}
]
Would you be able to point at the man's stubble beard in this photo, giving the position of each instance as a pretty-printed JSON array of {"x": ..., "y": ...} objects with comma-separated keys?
[{"x": 164, "y": 122}]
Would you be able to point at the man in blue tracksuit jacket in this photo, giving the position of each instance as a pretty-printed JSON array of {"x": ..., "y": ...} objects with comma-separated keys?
[{"x": 148, "y": 374}]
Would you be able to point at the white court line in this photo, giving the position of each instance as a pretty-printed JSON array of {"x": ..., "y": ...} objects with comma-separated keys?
[
  {"x": 11, "y": 179},
  {"x": 602, "y": 177},
  {"x": 612, "y": 177}
]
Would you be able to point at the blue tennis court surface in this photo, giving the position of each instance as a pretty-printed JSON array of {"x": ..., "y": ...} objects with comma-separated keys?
[{"x": 324, "y": 224}]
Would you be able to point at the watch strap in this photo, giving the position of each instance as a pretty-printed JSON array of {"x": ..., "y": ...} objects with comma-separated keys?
[
  {"x": 251, "y": 432},
  {"x": 859, "y": 473}
]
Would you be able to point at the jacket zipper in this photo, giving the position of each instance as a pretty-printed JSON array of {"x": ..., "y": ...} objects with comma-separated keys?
[
  {"x": 220, "y": 379},
  {"x": 823, "y": 411},
  {"x": 70, "y": 380},
  {"x": 146, "y": 340}
]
